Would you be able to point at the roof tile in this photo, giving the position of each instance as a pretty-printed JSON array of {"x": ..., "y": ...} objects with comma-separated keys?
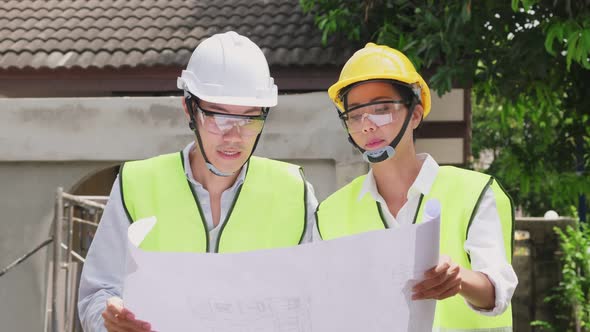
[{"x": 130, "y": 33}]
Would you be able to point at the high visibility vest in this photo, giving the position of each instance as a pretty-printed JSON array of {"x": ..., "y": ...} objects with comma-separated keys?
[
  {"x": 459, "y": 192},
  {"x": 268, "y": 211}
]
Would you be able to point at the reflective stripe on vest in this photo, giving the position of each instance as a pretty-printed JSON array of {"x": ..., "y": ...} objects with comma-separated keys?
[
  {"x": 459, "y": 192},
  {"x": 269, "y": 209}
]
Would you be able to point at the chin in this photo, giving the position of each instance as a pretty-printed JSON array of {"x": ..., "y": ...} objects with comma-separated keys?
[{"x": 230, "y": 167}]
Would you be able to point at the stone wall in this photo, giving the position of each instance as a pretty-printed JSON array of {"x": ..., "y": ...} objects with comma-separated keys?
[{"x": 536, "y": 262}]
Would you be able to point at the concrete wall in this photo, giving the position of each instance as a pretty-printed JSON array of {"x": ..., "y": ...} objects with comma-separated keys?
[
  {"x": 26, "y": 205},
  {"x": 51, "y": 142}
]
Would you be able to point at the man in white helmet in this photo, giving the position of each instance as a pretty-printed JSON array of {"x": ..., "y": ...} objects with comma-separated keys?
[{"x": 212, "y": 196}]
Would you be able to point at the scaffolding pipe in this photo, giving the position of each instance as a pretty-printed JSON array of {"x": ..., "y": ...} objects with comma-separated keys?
[
  {"x": 85, "y": 222},
  {"x": 57, "y": 230},
  {"x": 69, "y": 239},
  {"x": 69, "y": 209},
  {"x": 24, "y": 257},
  {"x": 83, "y": 202},
  {"x": 95, "y": 199},
  {"x": 74, "y": 254}
]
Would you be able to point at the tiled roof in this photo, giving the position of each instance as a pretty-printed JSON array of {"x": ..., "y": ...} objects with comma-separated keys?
[{"x": 128, "y": 33}]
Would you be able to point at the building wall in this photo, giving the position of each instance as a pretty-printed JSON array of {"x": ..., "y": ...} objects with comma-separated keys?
[
  {"x": 27, "y": 194},
  {"x": 51, "y": 142}
]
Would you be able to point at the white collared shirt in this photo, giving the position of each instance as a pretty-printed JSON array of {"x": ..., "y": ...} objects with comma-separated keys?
[
  {"x": 484, "y": 242},
  {"x": 104, "y": 270}
]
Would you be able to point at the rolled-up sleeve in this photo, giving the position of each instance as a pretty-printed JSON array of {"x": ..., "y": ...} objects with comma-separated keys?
[{"x": 485, "y": 245}]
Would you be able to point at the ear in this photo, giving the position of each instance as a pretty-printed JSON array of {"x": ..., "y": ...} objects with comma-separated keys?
[
  {"x": 185, "y": 108},
  {"x": 417, "y": 116}
]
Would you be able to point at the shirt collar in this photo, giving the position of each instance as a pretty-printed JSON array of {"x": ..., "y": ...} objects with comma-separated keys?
[
  {"x": 421, "y": 185},
  {"x": 189, "y": 172}
]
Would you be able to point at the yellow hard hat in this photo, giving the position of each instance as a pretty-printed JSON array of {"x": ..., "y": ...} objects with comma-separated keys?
[{"x": 380, "y": 62}]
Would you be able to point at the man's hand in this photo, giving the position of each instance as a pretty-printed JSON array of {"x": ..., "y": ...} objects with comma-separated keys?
[
  {"x": 440, "y": 282},
  {"x": 118, "y": 319}
]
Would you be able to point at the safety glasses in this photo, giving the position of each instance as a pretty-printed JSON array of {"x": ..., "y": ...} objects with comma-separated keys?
[
  {"x": 221, "y": 123},
  {"x": 378, "y": 113}
]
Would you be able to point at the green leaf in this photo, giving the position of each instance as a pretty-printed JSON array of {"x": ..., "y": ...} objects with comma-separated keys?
[
  {"x": 528, "y": 4},
  {"x": 572, "y": 51},
  {"x": 585, "y": 46},
  {"x": 554, "y": 31}
]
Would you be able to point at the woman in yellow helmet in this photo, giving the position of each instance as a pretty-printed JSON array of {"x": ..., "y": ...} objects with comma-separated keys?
[{"x": 381, "y": 100}]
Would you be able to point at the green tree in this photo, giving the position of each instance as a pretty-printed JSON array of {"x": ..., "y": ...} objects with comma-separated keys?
[
  {"x": 530, "y": 103},
  {"x": 527, "y": 64},
  {"x": 572, "y": 295}
]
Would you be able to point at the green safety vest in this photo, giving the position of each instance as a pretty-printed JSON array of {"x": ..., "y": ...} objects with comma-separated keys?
[
  {"x": 459, "y": 192},
  {"x": 269, "y": 210}
]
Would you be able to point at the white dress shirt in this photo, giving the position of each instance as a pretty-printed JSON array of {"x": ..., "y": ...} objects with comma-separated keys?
[
  {"x": 485, "y": 243},
  {"x": 104, "y": 269}
]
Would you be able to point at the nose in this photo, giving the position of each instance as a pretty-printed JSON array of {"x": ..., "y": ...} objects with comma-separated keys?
[
  {"x": 368, "y": 125},
  {"x": 233, "y": 135}
]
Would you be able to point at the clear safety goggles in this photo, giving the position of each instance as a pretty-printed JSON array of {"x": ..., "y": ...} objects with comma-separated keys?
[
  {"x": 221, "y": 123},
  {"x": 378, "y": 113}
]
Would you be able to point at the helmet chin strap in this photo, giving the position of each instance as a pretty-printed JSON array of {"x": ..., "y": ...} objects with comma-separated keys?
[
  {"x": 209, "y": 165},
  {"x": 386, "y": 152},
  {"x": 194, "y": 128}
]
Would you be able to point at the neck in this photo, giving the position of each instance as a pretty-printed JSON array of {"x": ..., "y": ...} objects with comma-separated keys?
[
  {"x": 395, "y": 176},
  {"x": 212, "y": 183}
]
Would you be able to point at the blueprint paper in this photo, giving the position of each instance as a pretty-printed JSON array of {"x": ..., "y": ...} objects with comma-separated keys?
[{"x": 355, "y": 283}]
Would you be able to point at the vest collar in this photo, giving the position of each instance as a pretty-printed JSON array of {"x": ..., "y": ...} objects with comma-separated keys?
[{"x": 421, "y": 185}]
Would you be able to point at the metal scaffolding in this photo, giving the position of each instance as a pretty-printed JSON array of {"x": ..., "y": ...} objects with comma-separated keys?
[{"x": 75, "y": 222}]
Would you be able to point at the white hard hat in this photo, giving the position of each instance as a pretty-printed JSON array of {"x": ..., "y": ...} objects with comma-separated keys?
[{"x": 228, "y": 68}]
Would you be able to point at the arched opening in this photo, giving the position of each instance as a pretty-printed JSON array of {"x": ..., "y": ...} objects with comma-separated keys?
[
  {"x": 96, "y": 184},
  {"x": 81, "y": 216}
]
